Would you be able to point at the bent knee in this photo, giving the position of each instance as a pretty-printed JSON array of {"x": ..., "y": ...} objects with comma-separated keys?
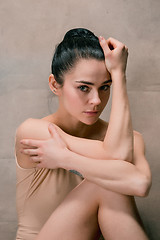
[
  {"x": 93, "y": 193},
  {"x": 105, "y": 196}
]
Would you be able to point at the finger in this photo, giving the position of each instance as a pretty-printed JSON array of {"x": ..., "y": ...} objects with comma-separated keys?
[
  {"x": 29, "y": 151},
  {"x": 104, "y": 45},
  {"x": 31, "y": 142},
  {"x": 59, "y": 138},
  {"x": 51, "y": 129},
  {"x": 54, "y": 133},
  {"x": 114, "y": 43},
  {"x": 126, "y": 48},
  {"x": 35, "y": 159}
]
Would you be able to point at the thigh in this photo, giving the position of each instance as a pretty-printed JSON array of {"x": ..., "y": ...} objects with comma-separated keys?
[{"x": 75, "y": 217}]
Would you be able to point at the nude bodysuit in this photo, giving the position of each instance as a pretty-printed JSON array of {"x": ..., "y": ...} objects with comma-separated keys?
[{"x": 39, "y": 192}]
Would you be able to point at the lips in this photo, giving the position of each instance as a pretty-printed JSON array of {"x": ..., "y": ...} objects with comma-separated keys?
[{"x": 91, "y": 113}]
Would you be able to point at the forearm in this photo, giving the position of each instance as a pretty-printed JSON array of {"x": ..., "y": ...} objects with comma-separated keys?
[
  {"x": 119, "y": 136},
  {"x": 86, "y": 147},
  {"x": 115, "y": 175}
]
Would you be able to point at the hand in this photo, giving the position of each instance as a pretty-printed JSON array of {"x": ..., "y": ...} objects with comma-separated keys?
[
  {"x": 46, "y": 153},
  {"x": 115, "y": 53}
]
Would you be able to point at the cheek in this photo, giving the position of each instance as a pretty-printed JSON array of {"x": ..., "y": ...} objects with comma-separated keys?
[{"x": 72, "y": 98}]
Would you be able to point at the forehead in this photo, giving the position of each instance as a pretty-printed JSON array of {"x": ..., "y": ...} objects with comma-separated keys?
[{"x": 88, "y": 69}]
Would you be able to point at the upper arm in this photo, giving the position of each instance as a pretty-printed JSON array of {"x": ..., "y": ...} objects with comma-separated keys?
[
  {"x": 30, "y": 129},
  {"x": 139, "y": 159}
]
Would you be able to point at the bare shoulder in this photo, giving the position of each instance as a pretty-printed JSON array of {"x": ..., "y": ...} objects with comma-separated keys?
[
  {"x": 30, "y": 129},
  {"x": 33, "y": 128}
]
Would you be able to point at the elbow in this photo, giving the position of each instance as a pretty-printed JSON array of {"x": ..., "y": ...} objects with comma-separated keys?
[{"x": 143, "y": 186}]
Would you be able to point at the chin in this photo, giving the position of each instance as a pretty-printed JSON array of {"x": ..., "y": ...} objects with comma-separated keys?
[{"x": 90, "y": 121}]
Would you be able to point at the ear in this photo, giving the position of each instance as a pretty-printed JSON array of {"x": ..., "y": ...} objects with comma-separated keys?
[{"x": 54, "y": 86}]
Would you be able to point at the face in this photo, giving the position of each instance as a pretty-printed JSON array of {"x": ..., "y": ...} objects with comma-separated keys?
[{"x": 86, "y": 91}]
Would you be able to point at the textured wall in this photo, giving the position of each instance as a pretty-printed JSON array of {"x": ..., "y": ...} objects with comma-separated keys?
[{"x": 29, "y": 31}]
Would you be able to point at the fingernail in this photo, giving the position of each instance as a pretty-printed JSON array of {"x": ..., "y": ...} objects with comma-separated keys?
[{"x": 101, "y": 38}]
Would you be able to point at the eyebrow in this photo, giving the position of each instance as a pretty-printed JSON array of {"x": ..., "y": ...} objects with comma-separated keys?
[{"x": 90, "y": 83}]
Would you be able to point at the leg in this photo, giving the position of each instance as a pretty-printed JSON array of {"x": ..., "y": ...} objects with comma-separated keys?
[
  {"x": 76, "y": 217},
  {"x": 118, "y": 217}
]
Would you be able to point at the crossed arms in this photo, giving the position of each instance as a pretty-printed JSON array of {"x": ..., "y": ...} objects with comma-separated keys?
[{"x": 117, "y": 164}]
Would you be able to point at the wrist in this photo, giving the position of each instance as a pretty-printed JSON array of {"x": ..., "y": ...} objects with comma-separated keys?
[
  {"x": 119, "y": 80},
  {"x": 72, "y": 163},
  {"x": 118, "y": 74},
  {"x": 66, "y": 160}
]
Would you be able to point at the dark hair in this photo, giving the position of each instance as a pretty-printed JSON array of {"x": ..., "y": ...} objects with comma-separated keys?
[{"x": 78, "y": 43}]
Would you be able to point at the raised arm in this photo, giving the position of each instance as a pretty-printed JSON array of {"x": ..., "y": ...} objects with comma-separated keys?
[{"x": 119, "y": 137}]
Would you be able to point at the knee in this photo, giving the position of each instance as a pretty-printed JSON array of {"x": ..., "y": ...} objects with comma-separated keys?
[
  {"x": 104, "y": 196},
  {"x": 109, "y": 198},
  {"x": 97, "y": 192}
]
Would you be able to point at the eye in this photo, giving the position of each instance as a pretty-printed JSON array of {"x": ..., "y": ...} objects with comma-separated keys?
[
  {"x": 84, "y": 88},
  {"x": 105, "y": 87}
]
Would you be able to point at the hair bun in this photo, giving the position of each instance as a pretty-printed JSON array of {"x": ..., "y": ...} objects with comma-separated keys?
[{"x": 78, "y": 32}]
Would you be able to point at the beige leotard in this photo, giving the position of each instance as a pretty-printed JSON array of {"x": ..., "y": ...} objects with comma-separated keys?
[{"x": 39, "y": 192}]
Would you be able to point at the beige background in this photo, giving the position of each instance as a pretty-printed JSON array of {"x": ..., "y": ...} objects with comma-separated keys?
[{"x": 29, "y": 30}]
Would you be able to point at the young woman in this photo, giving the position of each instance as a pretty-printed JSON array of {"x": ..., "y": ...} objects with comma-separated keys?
[{"x": 76, "y": 173}]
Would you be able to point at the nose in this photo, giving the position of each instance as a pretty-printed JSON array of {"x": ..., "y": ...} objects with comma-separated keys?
[{"x": 94, "y": 98}]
